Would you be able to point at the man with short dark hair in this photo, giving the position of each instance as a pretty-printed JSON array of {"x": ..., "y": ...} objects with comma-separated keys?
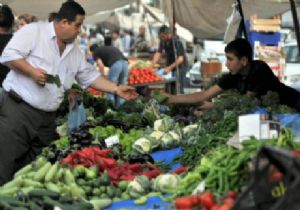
[
  {"x": 175, "y": 55},
  {"x": 247, "y": 76},
  {"x": 27, "y": 113}
]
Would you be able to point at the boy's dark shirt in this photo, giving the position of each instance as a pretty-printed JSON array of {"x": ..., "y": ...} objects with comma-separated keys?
[{"x": 260, "y": 79}]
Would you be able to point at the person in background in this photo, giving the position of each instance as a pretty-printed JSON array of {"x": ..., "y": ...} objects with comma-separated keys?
[
  {"x": 175, "y": 57},
  {"x": 113, "y": 58},
  {"x": 30, "y": 101},
  {"x": 6, "y": 25},
  {"x": 248, "y": 76},
  {"x": 140, "y": 43},
  {"x": 128, "y": 40},
  {"x": 116, "y": 41},
  {"x": 26, "y": 19}
]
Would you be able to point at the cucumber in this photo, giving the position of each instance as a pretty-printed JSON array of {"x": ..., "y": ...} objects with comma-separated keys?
[
  {"x": 68, "y": 177},
  {"x": 53, "y": 187},
  {"x": 59, "y": 175},
  {"x": 41, "y": 193},
  {"x": 25, "y": 170},
  {"x": 40, "y": 162},
  {"x": 76, "y": 191},
  {"x": 50, "y": 174},
  {"x": 35, "y": 184},
  {"x": 12, "y": 201},
  {"x": 49, "y": 202},
  {"x": 8, "y": 191},
  {"x": 27, "y": 190},
  {"x": 41, "y": 173},
  {"x": 17, "y": 182}
]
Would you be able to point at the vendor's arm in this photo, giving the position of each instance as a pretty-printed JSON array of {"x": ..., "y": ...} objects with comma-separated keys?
[
  {"x": 124, "y": 91},
  {"x": 17, "y": 51},
  {"x": 21, "y": 65},
  {"x": 251, "y": 94},
  {"x": 155, "y": 59},
  {"x": 196, "y": 97},
  {"x": 178, "y": 61}
]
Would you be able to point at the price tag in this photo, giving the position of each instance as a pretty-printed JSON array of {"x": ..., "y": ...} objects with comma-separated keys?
[{"x": 112, "y": 140}]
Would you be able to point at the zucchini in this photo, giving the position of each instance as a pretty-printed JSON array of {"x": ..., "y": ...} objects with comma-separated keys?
[
  {"x": 29, "y": 183},
  {"x": 26, "y": 190},
  {"x": 8, "y": 191},
  {"x": 25, "y": 170},
  {"x": 68, "y": 177},
  {"x": 50, "y": 174},
  {"x": 17, "y": 182},
  {"x": 41, "y": 173},
  {"x": 53, "y": 187}
]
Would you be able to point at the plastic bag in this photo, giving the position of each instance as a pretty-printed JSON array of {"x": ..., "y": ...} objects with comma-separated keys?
[
  {"x": 76, "y": 115},
  {"x": 275, "y": 182},
  {"x": 233, "y": 23}
]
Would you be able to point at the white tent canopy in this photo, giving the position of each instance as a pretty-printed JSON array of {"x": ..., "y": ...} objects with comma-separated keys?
[
  {"x": 207, "y": 18},
  {"x": 41, "y": 8}
]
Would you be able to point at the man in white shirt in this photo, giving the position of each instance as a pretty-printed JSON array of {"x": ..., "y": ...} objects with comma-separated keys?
[{"x": 27, "y": 112}]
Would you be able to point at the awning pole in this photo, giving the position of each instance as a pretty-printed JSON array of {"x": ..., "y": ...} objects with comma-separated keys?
[
  {"x": 242, "y": 17},
  {"x": 175, "y": 50},
  {"x": 296, "y": 23}
]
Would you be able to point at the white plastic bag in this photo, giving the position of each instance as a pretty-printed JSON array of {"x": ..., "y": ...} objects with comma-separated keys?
[{"x": 233, "y": 23}]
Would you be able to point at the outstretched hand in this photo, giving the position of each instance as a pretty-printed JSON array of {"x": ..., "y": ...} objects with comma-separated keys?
[{"x": 127, "y": 92}]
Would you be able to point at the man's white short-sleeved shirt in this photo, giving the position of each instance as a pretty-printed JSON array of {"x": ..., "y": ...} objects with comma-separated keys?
[{"x": 37, "y": 44}]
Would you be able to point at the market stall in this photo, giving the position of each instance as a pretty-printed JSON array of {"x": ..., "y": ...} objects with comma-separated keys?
[
  {"x": 147, "y": 155},
  {"x": 150, "y": 154}
]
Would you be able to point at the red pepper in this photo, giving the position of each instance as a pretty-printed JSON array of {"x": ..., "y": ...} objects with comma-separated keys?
[
  {"x": 187, "y": 202},
  {"x": 207, "y": 200},
  {"x": 232, "y": 194},
  {"x": 215, "y": 207},
  {"x": 179, "y": 170}
]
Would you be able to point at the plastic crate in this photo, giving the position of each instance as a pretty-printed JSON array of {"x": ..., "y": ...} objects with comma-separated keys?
[{"x": 265, "y": 38}]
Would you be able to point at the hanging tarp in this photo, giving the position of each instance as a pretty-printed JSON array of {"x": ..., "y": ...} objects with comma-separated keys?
[
  {"x": 98, "y": 18},
  {"x": 159, "y": 16},
  {"x": 41, "y": 8},
  {"x": 207, "y": 18}
]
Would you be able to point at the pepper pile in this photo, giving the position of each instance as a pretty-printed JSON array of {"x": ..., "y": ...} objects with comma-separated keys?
[
  {"x": 90, "y": 156},
  {"x": 128, "y": 172},
  {"x": 93, "y": 156}
]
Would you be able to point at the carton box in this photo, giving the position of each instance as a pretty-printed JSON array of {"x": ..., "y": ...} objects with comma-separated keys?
[{"x": 260, "y": 126}]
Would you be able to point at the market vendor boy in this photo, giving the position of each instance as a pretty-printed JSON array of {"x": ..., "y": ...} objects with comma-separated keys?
[
  {"x": 27, "y": 113},
  {"x": 248, "y": 76}
]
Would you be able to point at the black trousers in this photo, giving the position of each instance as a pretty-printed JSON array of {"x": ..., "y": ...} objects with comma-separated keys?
[{"x": 24, "y": 131}]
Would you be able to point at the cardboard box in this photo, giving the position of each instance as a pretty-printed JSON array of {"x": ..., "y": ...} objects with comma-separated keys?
[{"x": 260, "y": 126}]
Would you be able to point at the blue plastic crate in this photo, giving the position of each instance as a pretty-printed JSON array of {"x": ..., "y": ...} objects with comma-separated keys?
[{"x": 265, "y": 38}]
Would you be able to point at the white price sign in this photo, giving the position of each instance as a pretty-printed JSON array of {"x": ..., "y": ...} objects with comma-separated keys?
[{"x": 112, "y": 140}]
